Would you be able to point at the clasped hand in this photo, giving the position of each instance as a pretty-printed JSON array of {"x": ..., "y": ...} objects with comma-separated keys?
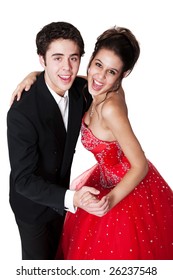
[{"x": 86, "y": 199}]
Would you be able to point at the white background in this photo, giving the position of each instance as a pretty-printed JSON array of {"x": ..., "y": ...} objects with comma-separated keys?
[{"x": 148, "y": 88}]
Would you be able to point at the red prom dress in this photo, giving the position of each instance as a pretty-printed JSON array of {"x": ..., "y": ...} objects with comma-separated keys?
[{"x": 140, "y": 227}]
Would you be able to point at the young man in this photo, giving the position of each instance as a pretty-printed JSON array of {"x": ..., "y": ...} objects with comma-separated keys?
[{"x": 43, "y": 128}]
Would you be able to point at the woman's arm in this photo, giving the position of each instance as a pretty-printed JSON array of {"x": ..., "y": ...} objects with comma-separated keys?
[
  {"x": 27, "y": 82},
  {"x": 24, "y": 85},
  {"x": 123, "y": 133}
]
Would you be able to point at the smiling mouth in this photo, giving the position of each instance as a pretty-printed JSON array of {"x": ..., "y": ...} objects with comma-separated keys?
[
  {"x": 97, "y": 85},
  {"x": 65, "y": 78}
]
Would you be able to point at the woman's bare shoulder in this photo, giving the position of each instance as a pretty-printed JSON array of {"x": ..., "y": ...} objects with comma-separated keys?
[{"x": 114, "y": 105}]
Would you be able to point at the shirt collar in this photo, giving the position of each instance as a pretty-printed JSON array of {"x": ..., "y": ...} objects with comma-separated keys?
[{"x": 56, "y": 96}]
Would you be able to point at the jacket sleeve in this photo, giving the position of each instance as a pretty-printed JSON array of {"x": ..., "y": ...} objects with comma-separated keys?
[{"x": 24, "y": 157}]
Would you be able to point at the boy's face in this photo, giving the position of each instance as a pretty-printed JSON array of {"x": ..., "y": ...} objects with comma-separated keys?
[{"x": 61, "y": 65}]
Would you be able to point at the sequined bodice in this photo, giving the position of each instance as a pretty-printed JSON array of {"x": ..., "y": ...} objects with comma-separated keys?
[
  {"x": 111, "y": 160},
  {"x": 105, "y": 152}
]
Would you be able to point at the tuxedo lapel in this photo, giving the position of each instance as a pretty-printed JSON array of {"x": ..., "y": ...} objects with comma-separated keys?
[
  {"x": 74, "y": 125},
  {"x": 50, "y": 113}
]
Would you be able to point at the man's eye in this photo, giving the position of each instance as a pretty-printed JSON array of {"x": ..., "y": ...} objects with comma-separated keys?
[
  {"x": 74, "y": 58},
  {"x": 57, "y": 58}
]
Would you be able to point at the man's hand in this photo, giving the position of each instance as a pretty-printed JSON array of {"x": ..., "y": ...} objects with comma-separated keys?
[{"x": 86, "y": 199}]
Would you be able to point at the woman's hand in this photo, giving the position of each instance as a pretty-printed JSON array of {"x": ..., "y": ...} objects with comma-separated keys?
[
  {"x": 24, "y": 85},
  {"x": 86, "y": 199}
]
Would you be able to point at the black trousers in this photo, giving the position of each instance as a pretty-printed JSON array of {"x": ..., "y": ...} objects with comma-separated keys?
[{"x": 40, "y": 241}]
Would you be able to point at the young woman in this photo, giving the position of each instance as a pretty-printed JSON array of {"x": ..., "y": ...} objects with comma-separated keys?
[{"x": 138, "y": 224}]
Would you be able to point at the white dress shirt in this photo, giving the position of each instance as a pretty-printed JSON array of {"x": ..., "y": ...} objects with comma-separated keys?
[{"x": 63, "y": 103}]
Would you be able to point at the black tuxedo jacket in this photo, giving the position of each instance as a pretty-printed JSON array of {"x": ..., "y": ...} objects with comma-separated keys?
[{"x": 41, "y": 151}]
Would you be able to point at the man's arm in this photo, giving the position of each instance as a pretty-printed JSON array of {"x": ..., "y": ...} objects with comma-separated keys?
[{"x": 24, "y": 156}]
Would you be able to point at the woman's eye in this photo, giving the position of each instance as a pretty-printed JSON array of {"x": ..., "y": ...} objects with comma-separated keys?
[
  {"x": 98, "y": 64},
  {"x": 112, "y": 72}
]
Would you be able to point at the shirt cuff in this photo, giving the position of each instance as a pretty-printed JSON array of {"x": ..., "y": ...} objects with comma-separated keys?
[{"x": 68, "y": 201}]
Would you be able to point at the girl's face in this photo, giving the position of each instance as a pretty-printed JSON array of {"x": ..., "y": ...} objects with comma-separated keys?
[{"x": 104, "y": 72}]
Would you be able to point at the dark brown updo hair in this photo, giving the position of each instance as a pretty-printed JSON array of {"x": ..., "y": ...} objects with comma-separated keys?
[{"x": 122, "y": 42}]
